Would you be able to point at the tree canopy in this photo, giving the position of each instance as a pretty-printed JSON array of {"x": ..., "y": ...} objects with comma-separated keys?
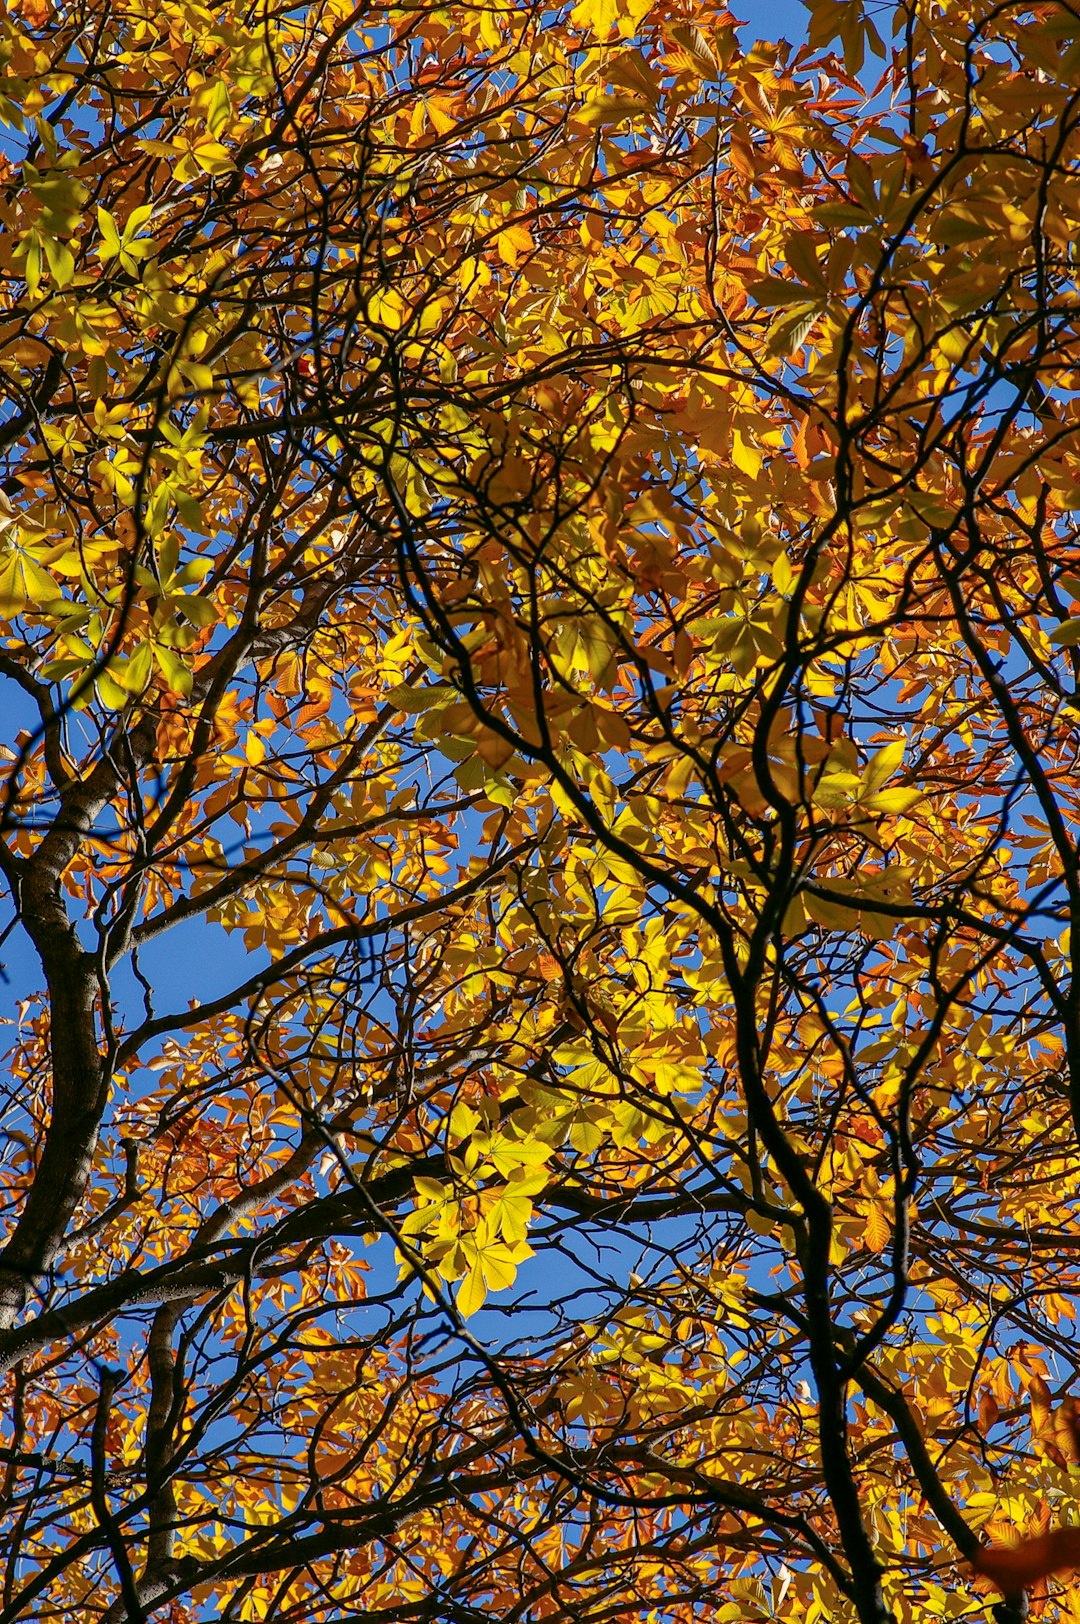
[{"x": 541, "y": 542}]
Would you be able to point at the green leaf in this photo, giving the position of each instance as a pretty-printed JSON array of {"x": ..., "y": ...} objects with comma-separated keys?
[
  {"x": 791, "y": 333},
  {"x": 174, "y": 670},
  {"x": 414, "y": 700},
  {"x": 110, "y": 692},
  {"x": 58, "y": 670},
  {"x": 61, "y": 261},
  {"x": 842, "y": 214},
  {"x": 194, "y": 572},
  {"x": 139, "y": 669},
  {"x": 199, "y": 611},
  {"x": 771, "y": 291}
]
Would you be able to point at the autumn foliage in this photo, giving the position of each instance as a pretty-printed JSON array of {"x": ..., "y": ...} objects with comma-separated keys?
[{"x": 540, "y": 638}]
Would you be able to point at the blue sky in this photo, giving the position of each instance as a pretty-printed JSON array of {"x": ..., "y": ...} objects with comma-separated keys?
[{"x": 771, "y": 19}]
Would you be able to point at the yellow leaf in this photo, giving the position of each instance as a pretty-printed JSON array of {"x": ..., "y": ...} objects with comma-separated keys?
[
  {"x": 882, "y": 765},
  {"x": 499, "y": 1263},
  {"x": 612, "y": 109},
  {"x": 586, "y": 1136},
  {"x": 878, "y": 1231},
  {"x": 23, "y": 582},
  {"x": 387, "y": 308},
  {"x": 472, "y": 1292},
  {"x": 173, "y": 669},
  {"x": 110, "y": 692},
  {"x": 139, "y": 667},
  {"x": 893, "y": 800},
  {"x": 603, "y": 17},
  {"x": 513, "y": 242},
  {"x": 213, "y": 157}
]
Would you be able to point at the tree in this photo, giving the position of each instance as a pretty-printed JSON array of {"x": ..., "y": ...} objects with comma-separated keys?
[{"x": 556, "y": 534}]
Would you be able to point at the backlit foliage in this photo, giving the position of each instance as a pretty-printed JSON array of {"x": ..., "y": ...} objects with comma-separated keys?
[{"x": 540, "y": 582}]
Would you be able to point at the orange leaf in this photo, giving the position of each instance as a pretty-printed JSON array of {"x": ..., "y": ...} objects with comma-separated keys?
[{"x": 1015, "y": 1568}]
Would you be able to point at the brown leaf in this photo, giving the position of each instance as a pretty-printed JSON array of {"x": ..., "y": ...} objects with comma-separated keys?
[
  {"x": 989, "y": 1410},
  {"x": 1015, "y": 1568}
]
